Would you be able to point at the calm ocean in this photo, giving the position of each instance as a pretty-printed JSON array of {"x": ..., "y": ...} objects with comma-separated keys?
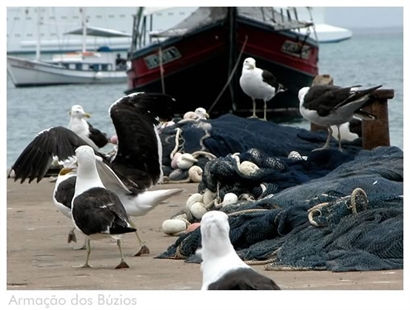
[{"x": 369, "y": 58}]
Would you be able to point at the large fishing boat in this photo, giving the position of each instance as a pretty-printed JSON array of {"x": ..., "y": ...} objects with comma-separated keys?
[{"x": 199, "y": 60}]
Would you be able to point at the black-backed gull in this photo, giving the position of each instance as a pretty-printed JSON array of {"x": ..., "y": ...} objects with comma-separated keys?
[
  {"x": 135, "y": 166},
  {"x": 63, "y": 194},
  {"x": 137, "y": 161},
  {"x": 94, "y": 137},
  {"x": 328, "y": 105},
  {"x": 96, "y": 211},
  {"x": 135, "y": 205},
  {"x": 222, "y": 268},
  {"x": 258, "y": 84}
]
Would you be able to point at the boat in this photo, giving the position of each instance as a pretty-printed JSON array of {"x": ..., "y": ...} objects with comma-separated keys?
[
  {"x": 81, "y": 67},
  {"x": 199, "y": 60},
  {"x": 70, "y": 68},
  {"x": 324, "y": 32}
]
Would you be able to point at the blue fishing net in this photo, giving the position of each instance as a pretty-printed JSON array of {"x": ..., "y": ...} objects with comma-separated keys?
[{"x": 302, "y": 215}]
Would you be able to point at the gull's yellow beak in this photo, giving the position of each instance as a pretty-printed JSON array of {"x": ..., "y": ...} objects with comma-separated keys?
[
  {"x": 87, "y": 115},
  {"x": 64, "y": 171}
]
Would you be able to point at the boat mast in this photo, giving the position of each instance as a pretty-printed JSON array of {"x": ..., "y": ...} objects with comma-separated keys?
[
  {"x": 38, "y": 34},
  {"x": 232, "y": 50},
  {"x": 84, "y": 26},
  {"x": 135, "y": 30}
]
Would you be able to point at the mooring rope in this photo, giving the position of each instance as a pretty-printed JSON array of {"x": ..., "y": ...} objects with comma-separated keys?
[{"x": 230, "y": 76}]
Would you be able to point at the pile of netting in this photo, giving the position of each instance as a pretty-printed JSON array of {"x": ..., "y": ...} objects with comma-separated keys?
[
  {"x": 314, "y": 225},
  {"x": 229, "y": 134},
  {"x": 329, "y": 210}
]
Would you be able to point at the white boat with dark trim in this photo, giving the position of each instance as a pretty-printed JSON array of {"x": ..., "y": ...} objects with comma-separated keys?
[
  {"x": 85, "y": 67},
  {"x": 69, "y": 68}
]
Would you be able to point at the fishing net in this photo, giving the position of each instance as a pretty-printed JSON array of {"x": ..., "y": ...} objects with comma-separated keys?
[
  {"x": 303, "y": 213},
  {"x": 253, "y": 139}
]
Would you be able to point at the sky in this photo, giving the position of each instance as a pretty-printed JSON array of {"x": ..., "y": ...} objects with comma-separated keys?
[{"x": 364, "y": 17}]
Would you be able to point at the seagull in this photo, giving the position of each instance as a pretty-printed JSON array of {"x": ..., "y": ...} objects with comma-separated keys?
[
  {"x": 222, "y": 268},
  {"x": 258, "y": 84},
  {"x": 137, "y": 161},
  {"x": 135, "y": 205},
  {"x": 96, "y": 211},
  {"x": 94, "y": 137},
  {"x": 63, "y": 194},
  {"x": 328, "y": 105},
  {"x": 134, "y": 167}
]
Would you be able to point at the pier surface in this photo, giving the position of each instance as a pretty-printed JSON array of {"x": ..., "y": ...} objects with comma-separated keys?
[{"x": 38, "y": 256}]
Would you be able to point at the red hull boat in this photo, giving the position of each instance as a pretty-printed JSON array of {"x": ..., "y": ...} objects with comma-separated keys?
[{"x": 201, "y": 59}]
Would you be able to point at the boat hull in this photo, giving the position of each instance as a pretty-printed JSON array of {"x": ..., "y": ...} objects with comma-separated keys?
[
  {"x": 196, "y": 68},
  {"x": 25, "y": 72}
]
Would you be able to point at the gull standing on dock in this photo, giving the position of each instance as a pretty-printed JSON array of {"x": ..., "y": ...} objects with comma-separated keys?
[
  {"x": 136, "y": 165},
  {"x": 96, "y": 211},
  {"x": 258, "y": 84},
  {"x": 327, "y": 105},
  {"x": 222, "y": 268},
  {"x": 94, "y": 137}
]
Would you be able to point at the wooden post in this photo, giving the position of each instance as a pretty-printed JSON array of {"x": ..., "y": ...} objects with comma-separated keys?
[
  {"x": 376, "y": 132},
  {"x": 314, "y": 127}
]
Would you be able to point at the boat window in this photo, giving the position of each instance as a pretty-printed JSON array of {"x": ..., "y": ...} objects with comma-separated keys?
[
  {"x": 94, "y": 67},
  {"x": 104, "y": 67},
  {"x": 78, "y": 67},
  {"x": 72, "y": 66},
  {"x": 66, "y": 65}
]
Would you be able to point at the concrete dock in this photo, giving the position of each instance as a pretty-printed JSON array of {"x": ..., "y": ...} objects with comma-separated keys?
[{"x": 39, "y": 257}]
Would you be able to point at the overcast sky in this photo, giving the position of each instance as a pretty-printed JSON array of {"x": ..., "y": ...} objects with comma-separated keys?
[{"x": 358, "y": 17}]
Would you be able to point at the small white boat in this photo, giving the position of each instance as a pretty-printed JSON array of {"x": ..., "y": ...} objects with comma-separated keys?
[
  {"x": 324, "y": 32},
  {"x": 85, "y": 67},
  {"x": 69, "y": 68}
]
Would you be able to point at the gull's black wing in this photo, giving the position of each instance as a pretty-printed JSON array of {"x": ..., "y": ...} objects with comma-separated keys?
[
  {"x": 99, "y": 138},
  {"x": 324, "y": 98},
  {"x": 138, "y": 159},
  {"x": 37, "y": 157}
]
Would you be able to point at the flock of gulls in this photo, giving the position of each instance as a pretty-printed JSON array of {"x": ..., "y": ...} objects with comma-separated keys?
[{"x": 101, "y": 192}]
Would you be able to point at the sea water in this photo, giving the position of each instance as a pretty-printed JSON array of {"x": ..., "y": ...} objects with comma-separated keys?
[{"x": 369, "y": 58}]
